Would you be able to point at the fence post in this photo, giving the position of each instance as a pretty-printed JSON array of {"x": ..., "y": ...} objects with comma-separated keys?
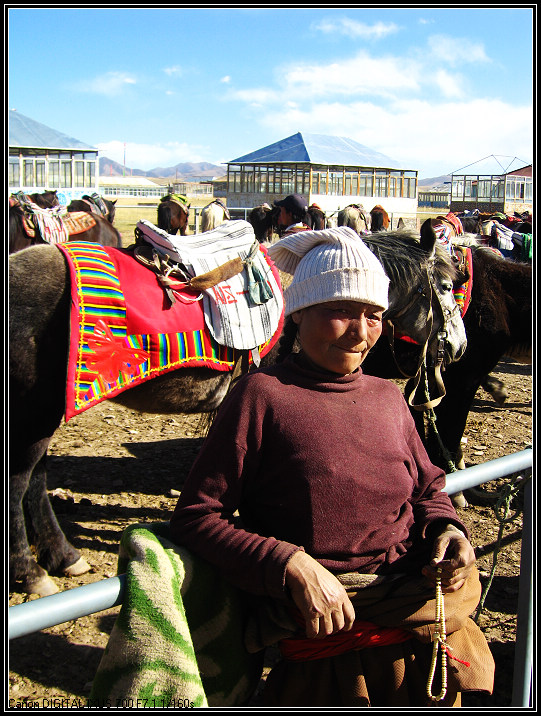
[{"x": 522, "y": 673}]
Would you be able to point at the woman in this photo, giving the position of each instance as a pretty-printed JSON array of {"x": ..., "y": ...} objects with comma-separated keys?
[{"x": 341, "y": 520}]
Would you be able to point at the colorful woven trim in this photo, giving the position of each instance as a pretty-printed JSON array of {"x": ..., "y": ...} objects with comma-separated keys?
[
  {"x": 104, "y": 358},
  {"x": 463, "y": 293}
]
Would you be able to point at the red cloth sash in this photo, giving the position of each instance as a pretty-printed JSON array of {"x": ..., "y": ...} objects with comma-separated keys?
[{"x": 363, "y": 635}]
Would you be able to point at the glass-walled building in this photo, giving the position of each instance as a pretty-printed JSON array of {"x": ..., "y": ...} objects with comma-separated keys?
[
  {"x": 505, "y": 192},
  {"x": 331, "y": 172},
  {"x": 41, "y": 159}
]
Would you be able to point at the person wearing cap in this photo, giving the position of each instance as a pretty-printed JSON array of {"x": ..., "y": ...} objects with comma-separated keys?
[
  {"x": 314, "y": 494},
  {"x": 293, "y": 215}
]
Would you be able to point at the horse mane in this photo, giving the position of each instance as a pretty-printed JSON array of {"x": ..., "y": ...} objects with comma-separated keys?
[{"x": 402, "y": 257}]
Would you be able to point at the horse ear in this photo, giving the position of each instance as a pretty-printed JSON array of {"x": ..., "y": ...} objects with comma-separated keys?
[{"x": 428, "y": 237}]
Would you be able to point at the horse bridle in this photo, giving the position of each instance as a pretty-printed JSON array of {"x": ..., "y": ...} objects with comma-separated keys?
[{"x": 427, "y": 290}]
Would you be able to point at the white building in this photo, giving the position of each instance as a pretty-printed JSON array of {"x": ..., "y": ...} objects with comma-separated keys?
[
  {"x": 41, "y": 159},
  {"x": 331, "y": 172}
]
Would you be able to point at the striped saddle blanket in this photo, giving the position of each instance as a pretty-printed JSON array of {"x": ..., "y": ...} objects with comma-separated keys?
[{"x": 124, "y": 331}]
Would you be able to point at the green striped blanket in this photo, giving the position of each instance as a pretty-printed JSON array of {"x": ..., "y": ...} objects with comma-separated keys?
[{"x": 178, "y": 639}]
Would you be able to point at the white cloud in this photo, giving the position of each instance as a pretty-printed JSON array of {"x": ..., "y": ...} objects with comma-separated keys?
[
  {"x": 355, "y": 29},
  {"x": 176, "y": 70},
  {"x": 449, "y": 85},
  {"x": 359, "y": 75},
  {"x": 425, "y": 135},
  {"x": 149, "y": 156},
  {"x": 110, "y": 84},
  {"x": 226, "y": 79},
  {"x": 456, "y": 50}
]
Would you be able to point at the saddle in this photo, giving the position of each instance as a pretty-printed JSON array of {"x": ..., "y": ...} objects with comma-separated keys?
[
  {"x": 96, "y": 204},
  {"x": 227, "y": 269},
  {"x": 48, "y": 224}
]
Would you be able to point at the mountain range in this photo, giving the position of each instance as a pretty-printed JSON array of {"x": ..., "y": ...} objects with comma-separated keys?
[
  {"x": 185, "y": 171},
  {"x": 433, "y": 181},
  {"x": 195, "y": 171}
]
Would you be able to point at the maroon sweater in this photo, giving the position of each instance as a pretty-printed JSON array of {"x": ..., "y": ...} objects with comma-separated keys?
[{"x": 331, "y": 465}]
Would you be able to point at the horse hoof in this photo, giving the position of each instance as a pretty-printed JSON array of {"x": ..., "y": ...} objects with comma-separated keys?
[
  {"x": 44, "y": 586},
  {"x": 459, "y": 500},
  {"x": 500, "y": 396},
  {"x": 79, "y": 567}
]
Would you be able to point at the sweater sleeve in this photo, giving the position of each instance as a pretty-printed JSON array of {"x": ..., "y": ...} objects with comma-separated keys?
[
  {"x": 431, "y": 504},
  {"x": 206, "y": 519}
]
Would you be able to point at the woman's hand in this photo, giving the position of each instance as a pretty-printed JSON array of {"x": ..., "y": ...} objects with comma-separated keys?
[
  {"x": 321, "y": 599},
  {"x": 452, "y": 552}
]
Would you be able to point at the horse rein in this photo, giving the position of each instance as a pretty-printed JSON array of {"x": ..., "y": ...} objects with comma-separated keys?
[{"x": 428, "y": 291}]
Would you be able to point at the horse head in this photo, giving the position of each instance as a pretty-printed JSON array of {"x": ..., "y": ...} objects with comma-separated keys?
[
  {"x": 421, "y": 293},
  {"x": 111, "y": 209},
  {"x": 173, "y": 213},
  {"x": 261, "y": 219},
  {"x": 379, "y": 218},
  {"x": 354, "y": 217}
]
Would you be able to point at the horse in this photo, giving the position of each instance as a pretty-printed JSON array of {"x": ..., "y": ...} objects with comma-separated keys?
[
  {"x": 421, "y": 305},
  {"x": 317, "y": 217},
  {"x": 379, "y": 219},
  {"x": 498, "y": 323},
  {"x": 95, "y": 204},
  {"x": 355, "y": 217},
  {"x": 262, "y": 219},
  {"x": 173, "y": 213},
  {"x": 213, "y": 215},
  {"x": 30, "y": 224},
  {"x": 46, "y": 199}
]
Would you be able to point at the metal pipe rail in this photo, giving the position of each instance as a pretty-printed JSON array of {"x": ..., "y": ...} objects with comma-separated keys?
[{"x": 24, "y": 619}]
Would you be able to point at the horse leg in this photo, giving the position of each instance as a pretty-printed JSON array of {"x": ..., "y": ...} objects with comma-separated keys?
[
  {"x": 22, "y": 566},
  {"x": 495, "y": 388},
  {"x": 54, "y": 551}
]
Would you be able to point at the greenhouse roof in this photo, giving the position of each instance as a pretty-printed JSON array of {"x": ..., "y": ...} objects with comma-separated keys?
[
  {"x": 319, "y": 149},
  {"x": 494, "y": 165},
  {"x": 26, "y": 132}
]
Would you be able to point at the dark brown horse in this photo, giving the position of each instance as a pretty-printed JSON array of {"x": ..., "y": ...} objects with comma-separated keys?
[
  {"x": 95, "y": 204},
  {"x": 263, "y": 220},
  {"x": 173, "y": 213},
  {"x": 317, "y": 217},
  {"x": 29, "y": 225},
  {"x": 379, "y": 220},
  {"x": 45, "y": 200},
  {"x": 421, "y": 285},
  {"x": 498, "y": 323}
]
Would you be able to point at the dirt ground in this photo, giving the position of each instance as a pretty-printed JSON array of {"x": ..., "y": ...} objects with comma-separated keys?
[{"x": 111, "y": 467}]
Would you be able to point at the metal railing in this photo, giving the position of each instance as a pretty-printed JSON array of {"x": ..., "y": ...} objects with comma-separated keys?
[{"x": 27, "y": 618}]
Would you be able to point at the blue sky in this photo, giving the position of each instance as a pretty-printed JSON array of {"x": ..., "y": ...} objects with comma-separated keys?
[{"x": 436, "y": 89}]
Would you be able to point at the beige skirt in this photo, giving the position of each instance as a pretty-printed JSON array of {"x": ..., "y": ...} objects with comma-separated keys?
[{"x": 395, "y": 675}]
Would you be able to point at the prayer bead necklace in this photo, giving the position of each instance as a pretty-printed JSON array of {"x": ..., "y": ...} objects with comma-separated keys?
[{"x": 438, "y": 641}]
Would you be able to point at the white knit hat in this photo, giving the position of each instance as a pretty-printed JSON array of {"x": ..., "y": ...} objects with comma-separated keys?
[{"x": 329, "y": 265}]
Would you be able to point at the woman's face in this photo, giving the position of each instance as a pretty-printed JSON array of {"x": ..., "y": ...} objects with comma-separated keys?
[{"x": 337, "y": 335}]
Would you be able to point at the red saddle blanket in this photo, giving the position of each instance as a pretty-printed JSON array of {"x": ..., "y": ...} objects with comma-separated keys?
[{"x": 124, "y": 331}]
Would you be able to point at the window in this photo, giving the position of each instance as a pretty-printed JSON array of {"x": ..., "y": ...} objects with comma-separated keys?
[
  {"x": 91, "y": 173},
  {"x": 14, "y": 172},
  {"x": 54, "y": 175},
  {"x": 366, "y": 184},
  {"x": 40, "y": 173},
  {"x": 79, "y": 171},
  {"x": 28, "y": 172},
  {"x": 382, "y": 183},
  {"x": 65, "y": 174}
]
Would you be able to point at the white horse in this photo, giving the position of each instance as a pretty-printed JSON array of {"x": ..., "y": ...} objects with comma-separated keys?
[{"x": 213, "y": 215}]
